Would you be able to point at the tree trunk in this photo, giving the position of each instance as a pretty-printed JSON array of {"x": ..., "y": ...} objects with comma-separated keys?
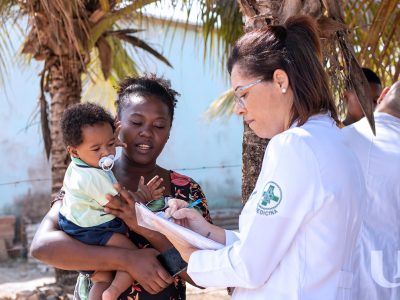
[
  {"x": 252, "y": 157},
  {"x": 253, "y": 147},
  {"x": 64, "y": 86}
]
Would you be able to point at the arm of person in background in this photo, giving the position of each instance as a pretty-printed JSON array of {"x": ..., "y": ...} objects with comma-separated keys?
[{"x": 54, "y": 247}]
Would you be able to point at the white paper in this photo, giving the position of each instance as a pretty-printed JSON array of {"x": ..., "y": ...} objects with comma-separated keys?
[{"x": 157, "y": 222}]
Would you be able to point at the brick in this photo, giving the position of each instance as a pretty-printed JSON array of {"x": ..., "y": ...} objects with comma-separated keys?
[
  {"x": 3, "y": 250},
  {"x": 7, "y": 229},
  {"x": 7, "y": 220}
]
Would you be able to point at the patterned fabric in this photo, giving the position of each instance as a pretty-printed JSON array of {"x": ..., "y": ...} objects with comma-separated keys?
[
  {"x": 185, "y": 188},
  {"x": 182, "y": 187}
]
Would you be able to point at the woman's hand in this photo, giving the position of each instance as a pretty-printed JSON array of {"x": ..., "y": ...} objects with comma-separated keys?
[
  {"x": 122, "y": 206},
  {"x": 144, "y": 266},
  {"x": 187, "y": 217},
  {"x": 190, "y": 218}
]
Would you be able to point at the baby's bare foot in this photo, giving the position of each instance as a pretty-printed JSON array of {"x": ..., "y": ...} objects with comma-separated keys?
[{"x": 112, "y": 293}]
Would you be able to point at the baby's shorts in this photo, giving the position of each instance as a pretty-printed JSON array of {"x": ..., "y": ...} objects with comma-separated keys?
[{"x": 94, "y": 235}]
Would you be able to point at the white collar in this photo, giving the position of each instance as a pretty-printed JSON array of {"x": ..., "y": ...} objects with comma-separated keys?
[{"x": 385, "y": 117}]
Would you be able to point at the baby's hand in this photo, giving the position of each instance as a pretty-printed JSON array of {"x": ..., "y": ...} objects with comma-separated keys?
[{"x": 152, "y": 190}]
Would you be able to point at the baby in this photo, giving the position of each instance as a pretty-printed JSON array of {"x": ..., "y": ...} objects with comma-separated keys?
[{"x": 89, "y": 134}]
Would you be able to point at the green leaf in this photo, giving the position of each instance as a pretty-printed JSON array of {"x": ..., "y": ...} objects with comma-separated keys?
[
  {"x": 136, "y": 42},
  {"x": 223, "y": 106},
  {"x": 108, "y": 21}
]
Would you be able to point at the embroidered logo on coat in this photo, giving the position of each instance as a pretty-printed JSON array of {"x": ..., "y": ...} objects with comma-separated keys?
[{"x": 270, "y": 199}]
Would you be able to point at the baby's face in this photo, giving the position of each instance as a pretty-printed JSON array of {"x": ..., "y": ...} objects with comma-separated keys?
[{"x": 98, "y": 141}]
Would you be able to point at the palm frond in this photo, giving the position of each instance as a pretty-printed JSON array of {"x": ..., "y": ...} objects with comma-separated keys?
[
  {"x": 105, "y": 5},
  {"x": 110, "y": 19},
  {"x": 105, "y": 56},
  {"x": 136, "y": 42},
  {"x": 8, "y": 18},
  {"x": 222, "y": 22},
  {"x": 123, "y": 64},
  {"x": 376, "y": 35},
  {"x": 222, "y": 107},
  {"x": 100, "y": 90}
]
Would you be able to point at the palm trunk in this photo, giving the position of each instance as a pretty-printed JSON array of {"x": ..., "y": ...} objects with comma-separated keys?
[
  {"x": 252, "y": 157},
  {"x": 64, "y": 86},
  {"x": 253, "y": 147},
  {"x": 65, "y": 89}
]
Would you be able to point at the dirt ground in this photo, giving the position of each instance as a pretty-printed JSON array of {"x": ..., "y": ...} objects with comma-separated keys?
[{"x": 18, "y": 275}]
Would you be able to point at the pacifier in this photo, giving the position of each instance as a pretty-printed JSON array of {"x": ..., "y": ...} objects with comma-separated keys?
[{"x": 107, "y": 162}]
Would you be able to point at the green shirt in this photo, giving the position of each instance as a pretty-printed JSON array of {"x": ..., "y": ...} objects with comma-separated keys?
[{"x": 85, "y": 194}]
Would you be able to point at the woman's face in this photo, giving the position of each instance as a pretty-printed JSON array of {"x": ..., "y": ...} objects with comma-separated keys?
[
  {"x": 267, "y": 104},
  {"x": 145, "y": 128}
]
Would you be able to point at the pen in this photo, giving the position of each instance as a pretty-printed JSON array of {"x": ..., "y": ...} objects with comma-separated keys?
[{"x": 193, "y": 204}]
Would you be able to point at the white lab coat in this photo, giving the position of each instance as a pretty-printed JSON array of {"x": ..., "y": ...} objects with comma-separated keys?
[
  {"x": 298, "y": 228},
  {"x": 380, "y": 161}
]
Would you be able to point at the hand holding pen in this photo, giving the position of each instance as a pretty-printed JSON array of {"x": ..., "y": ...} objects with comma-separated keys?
[
  {"x": 194, "y": 203},
  {"x": 176, "y": 204},
  {"x": 183, "y": 214}
]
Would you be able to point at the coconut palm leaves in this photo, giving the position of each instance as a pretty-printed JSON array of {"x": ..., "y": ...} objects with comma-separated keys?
[
  {"x": 70, "y": 31},
  {"x": 370, "y": 30},
  {"x": 375, "y": 32}
]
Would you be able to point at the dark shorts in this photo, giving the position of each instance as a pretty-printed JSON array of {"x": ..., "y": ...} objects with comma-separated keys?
[{"x": 94, "y": 235}]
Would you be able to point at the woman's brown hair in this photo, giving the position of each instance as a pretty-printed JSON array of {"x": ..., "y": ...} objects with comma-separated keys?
[{"x": 295, "y": 48}]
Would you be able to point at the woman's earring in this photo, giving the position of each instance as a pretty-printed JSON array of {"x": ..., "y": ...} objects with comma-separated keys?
[{"x": 284, "y": 90}]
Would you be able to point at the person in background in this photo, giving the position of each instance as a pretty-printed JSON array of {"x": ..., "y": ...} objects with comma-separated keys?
[
  {"x": 145, "y": 109},
  {"x": 354, "y": 111},
  {"x": 299, "y": 226},
  {"x": 379, "y": 155}
]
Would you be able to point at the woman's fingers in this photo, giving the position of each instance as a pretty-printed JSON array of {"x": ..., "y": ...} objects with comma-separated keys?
[
  {"x": 174, "y": 205},
  {"x": 114, "y": 202},
  {"x": 122, "y": 206},
  {"x": 125, "y": 195},
  {"x": 152, "y": 276},
  {"x": 186, "y": 213},
  {"x": 114, "y": 212}
]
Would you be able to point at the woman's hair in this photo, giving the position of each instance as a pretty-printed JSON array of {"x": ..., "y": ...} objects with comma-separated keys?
[
  {"x": 295, "y": 48},
  {"x": 80, "y": 115},
  {"x": 146, "y": 85}
]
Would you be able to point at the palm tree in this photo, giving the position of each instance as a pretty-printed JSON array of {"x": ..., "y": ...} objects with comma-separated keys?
[
  {"x": 371, "y": 37},
  {"x": 66, "y": 36}
]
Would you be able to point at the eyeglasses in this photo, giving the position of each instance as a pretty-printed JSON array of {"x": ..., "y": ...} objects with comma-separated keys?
[{"x": 240, "y": 99}]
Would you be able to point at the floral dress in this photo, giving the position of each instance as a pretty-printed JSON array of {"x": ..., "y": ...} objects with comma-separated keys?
[{"x": 182, "y": 187}]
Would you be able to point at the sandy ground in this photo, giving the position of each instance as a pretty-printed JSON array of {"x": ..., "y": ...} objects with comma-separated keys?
[{"x": 17, "y": 276}]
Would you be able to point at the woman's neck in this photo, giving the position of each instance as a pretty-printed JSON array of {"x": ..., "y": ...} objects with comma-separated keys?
[{"x": 126, "y": 166}]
